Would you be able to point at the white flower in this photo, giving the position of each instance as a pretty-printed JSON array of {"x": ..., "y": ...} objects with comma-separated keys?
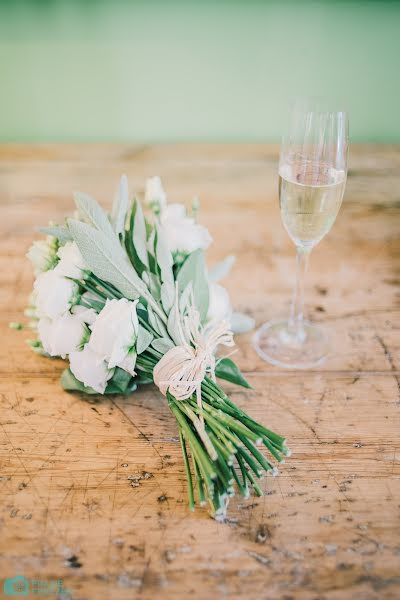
[
  {"x": 61, "y": 336},
  {"x": 220, "y": 307},
  {"x": 114, "y": 334},
  {"x": 183, "y": 234},
  {"x": 54, "y": 294},
  {"x": 71, "y": 262},
  {"x": 90, "y": 368},
  {"x": 86, "y": 315},
  {"x": 43, "y": 254},
  {"x": 155, "y": 193}
]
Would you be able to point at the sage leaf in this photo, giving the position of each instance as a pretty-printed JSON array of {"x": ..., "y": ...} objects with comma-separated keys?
[
  {"x": 154, "y": 286},
  {"x": 92, "y": 213},
  {"x": 156, "y": 323},
  {"x": 221, "y": 269},
  {"x": 139, "y": 234},
  {"x": 185, "y": 299},
  {"x": 173, "y": 326},
  {"x": 151, "y": 250},
  {"x": 120, "y": 206},
  {"x": 144, "y": 339},
  {"x": 61, "y": 233},
  {"x": 162, "y": 345},
  {"x": 194, "y": 270},
  {"x": 105, "y": 257},
  {"x": 167, "y": 295},
  {"x": 164, "y": 257},
  {"x": 130, "y": 247}
]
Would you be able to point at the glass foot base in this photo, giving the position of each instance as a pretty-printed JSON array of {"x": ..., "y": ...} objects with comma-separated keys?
[{"x": 275, "y": 344}]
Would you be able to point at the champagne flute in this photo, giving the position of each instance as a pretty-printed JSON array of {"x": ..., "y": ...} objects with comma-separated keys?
[{"x": 312, "y": 178}]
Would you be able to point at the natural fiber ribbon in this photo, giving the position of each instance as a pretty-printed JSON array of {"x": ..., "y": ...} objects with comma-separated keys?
[{"x": 183, "y": 368}]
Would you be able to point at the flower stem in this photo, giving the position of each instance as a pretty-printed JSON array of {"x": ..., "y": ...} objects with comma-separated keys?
[{"x": 187, "y": 469}]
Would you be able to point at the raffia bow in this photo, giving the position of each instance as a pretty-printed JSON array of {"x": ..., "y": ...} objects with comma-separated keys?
[{"x": 183, "y": 368}]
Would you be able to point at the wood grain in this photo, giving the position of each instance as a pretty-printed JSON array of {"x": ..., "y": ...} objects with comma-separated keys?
[{"x": 328, "y": 526}]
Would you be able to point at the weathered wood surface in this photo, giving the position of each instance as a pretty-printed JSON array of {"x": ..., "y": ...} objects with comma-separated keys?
[{"x": 328, "y": 527}]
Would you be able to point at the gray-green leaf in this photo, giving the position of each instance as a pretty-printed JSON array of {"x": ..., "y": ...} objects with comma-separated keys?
[
  {"x": 154, "y": 286},
  {"x": 194, "y": 270},
  {"x": 221, "y": 269},
  {"x": 162, "y": 345},
  {"x": 173, "y": 326},
  {"x": 167, "y": 295},
  {"x": 184, "y": 301},
  {"x": 120, "y": 206},
  {"x": 139, "y": 234},
  {"x": 92, "y": 213},
  {"x": 164, "y": 257},
  {"x": 144, "y": 339},
  {"x": 61, "y": 233},
  {"x": 156, "y": 323},
  {"x": 105, "y": 257}
]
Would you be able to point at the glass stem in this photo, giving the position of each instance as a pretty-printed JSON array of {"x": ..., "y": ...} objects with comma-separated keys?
[{"x": 296, "y": 318}]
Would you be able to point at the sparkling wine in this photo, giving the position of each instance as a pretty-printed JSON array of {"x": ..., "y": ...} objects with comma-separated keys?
[{"x": 310, "y": 197}]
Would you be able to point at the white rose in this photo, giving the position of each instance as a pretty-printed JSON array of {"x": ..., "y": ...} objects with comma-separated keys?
[
  {"x": 155, "y": 193},
  {"x": 54, "y": 294},
  {"x": 89, "y": 368},
  {"x": 43, "y": 254},
  {"x": 183, "y": 234},
  {"x": 71, "y": 263},
  {"x": 114, "y": 334},
  {"x": 61, "y": 336},
  {"x": 220, "y": 307}
]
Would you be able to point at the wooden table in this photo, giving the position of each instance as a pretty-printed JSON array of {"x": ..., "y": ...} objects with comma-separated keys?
[{"x": 328, "y": 527}]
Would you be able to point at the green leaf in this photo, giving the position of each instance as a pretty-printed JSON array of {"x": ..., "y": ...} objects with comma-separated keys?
[
  {"x": 120, "y": 206},
  {"x": 143, "y": 378},
  {"x": 121, "y": 383},
  {"x": 194, "y": 270},
  {"x": 173, "y": 326},
  {"x": 130, "y": 247},
  {"x": 227, "y": 369},
  {"x": 151, "y": 238},
  {"x": 165, "y": 262},
  {"x": 144, "y": 339},
  {"x": 162, "y": 345},
  {"x": 71, "y": 384},
  {"x": 167, "y": 295},
  {"x": 92, "y": 213},
  {"x": 156, "y": 322},
  {"x": 105, "y": 257},
  {"x": 221, "y": 269},
  {"x": 139, "y": 234},
  {"x": 184, "y": 300},
  {"x": 61, "y": 233},
  {"x": 153, "y": 285}
]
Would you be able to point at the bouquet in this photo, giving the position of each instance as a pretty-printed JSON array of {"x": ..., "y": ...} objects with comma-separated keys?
[{"x": 127, "y": 300}]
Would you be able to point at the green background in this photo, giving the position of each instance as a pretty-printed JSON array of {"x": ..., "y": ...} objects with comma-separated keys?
[{"x": 205, "y": 70}]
